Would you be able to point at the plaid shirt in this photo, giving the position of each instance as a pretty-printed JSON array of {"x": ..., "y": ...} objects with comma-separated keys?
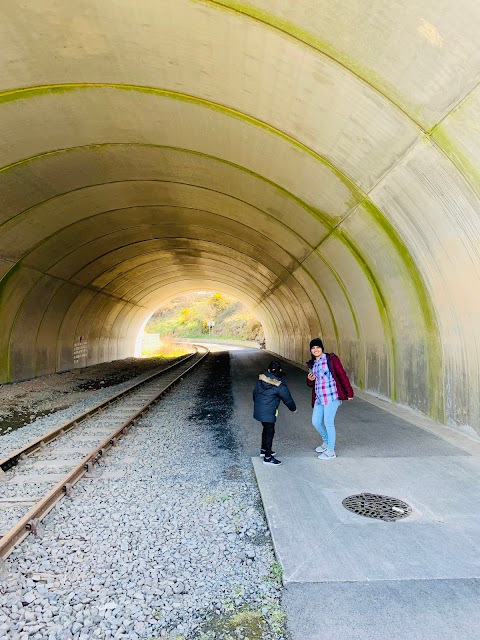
[{"x": 325, "y": 385}]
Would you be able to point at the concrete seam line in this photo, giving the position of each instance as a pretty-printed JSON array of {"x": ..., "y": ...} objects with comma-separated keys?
[
  {"x": 310, "y": 40},
  {"x": 155, "y": 206},
  {"x": 316, "y": 213},
  {"x": 32, "y": 92}
]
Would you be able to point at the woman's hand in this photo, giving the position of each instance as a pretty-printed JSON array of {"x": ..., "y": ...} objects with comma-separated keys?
[
  {"x": 349, "y": 399},
  {"x": 311, "y": 376}
]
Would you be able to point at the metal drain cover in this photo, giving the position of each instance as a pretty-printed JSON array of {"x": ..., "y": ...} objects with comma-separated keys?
[{"x": 373, "y": 505}]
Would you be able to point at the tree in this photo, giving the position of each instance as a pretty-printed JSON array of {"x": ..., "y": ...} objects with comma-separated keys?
[
  {"x": 185, "y": 315},
  {"x": 218, "y": 301}
]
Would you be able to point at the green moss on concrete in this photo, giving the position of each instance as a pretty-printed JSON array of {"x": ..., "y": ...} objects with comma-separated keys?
[
  {"x": 45, "y": 154},
  {"x": 34, "y": 92},
  {"x": 382, "y": 307},
  {"x": 5, "y": 279},
  {"x": 361, "y": 372},
  {"x": 432, "y": 332},
  {"x": 327, "y": 304},
  {"x": 324, "y": 218},
  {"x": 368, "y": 76},
  {"x": 404, "y": 253},
  {"x": 469, "y": 170},
  {"x": 33, "y": 247},
  {"x": 430, "y": 320},
  {"x": 5, "y": 283},
  {"x": 355, "y": 197}
]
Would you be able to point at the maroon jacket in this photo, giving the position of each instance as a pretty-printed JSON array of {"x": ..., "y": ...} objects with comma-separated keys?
[{"x": 344, "y": 388}]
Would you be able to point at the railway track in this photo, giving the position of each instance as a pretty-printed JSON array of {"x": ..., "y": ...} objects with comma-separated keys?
[{"x": 33, "y": 479}]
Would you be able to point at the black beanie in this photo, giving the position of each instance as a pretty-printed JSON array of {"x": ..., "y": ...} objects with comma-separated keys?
[
  {"x": 316, "y": 342},
  {"x": 275, "y": 367}
]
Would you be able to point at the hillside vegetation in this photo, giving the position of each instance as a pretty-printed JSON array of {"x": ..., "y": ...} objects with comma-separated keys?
[{"x": 187, "y": 317}]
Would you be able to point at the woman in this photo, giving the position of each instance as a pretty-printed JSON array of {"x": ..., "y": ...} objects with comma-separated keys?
[{"x": 330, "y": 385}]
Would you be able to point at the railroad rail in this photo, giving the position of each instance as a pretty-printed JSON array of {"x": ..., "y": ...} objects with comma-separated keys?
[{"x": 61, "y": 448}]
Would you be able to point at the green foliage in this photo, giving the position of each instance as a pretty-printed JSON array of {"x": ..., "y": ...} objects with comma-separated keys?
[
  {"x": 187, "y": 317},
  {"x": 219, "y": 302},
  {"x": 184, "y": 315},
  {"x": 245, "y": 622},
  {"x": 276, "y": 574}
]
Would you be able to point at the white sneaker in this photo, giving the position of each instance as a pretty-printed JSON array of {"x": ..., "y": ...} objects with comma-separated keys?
[
  {"x": 327, "y": 455},
  {"x": 321, "y": 448}
]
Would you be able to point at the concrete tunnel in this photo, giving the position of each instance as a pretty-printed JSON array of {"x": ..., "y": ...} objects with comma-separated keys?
[{"x": 319, "y": 160}]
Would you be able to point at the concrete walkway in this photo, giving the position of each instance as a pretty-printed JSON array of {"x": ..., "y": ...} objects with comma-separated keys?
[{"x": 355, "y": 578}]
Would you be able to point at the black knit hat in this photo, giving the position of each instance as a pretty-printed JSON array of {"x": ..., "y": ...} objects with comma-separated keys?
[
  {"x": 316, "y": 342},
  {"x": 275, "y": 367}
]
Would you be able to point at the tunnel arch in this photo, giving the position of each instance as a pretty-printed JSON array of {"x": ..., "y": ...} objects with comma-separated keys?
[{"x": 278, "y": 152}]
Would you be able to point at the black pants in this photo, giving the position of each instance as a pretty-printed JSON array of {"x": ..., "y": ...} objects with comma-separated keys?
[{"x": 267, "y": 437}]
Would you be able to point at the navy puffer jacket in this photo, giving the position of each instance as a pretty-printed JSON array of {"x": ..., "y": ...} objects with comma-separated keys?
[{"x": 267, "y": 394}]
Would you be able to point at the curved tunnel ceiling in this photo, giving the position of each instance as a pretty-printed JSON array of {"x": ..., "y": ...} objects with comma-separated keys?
[{"x": 316, "y": 160}]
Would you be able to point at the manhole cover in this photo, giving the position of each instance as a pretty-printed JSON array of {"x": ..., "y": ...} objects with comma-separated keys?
[{"x": 372, "y": 505}]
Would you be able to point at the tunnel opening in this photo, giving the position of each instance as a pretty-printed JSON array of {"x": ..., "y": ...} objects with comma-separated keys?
[{"x": 205, "y": 315}]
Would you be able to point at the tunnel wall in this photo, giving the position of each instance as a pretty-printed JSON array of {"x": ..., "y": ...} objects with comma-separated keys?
[{"x": 316, "y": 160}]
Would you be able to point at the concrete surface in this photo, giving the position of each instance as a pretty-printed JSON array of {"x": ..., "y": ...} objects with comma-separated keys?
[
  {"x": 393, "y": 610},
  {"x": 348, "y": 577}
]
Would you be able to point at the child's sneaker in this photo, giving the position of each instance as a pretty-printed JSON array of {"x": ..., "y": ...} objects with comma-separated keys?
[
  {"x": 327, "y": 455},
  {"x": 262, "y": 453},
  {"x": 321, "y": 448},
  {"x": 271, "y": 460}
]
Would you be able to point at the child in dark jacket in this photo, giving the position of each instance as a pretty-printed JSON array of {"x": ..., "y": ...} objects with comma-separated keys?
[{"x": 268, "y": 393}]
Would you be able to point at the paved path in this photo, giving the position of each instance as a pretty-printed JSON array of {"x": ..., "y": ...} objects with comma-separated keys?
[{"x": 355, "y": 578}]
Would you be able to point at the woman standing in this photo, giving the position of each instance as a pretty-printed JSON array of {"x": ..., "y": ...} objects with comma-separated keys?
[{"x": 330, "y": 385}]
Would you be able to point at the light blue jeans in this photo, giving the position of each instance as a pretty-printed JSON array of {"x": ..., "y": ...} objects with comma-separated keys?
[{"x": 326, "y": 413}]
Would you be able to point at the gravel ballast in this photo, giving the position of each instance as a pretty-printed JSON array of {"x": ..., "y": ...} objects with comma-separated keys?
[
  {"x": 169, "y": 541},
  {"x": 30, "y": 409}
]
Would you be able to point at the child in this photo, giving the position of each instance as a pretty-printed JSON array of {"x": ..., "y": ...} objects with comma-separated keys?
[{"x": 267, "y": 394}]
